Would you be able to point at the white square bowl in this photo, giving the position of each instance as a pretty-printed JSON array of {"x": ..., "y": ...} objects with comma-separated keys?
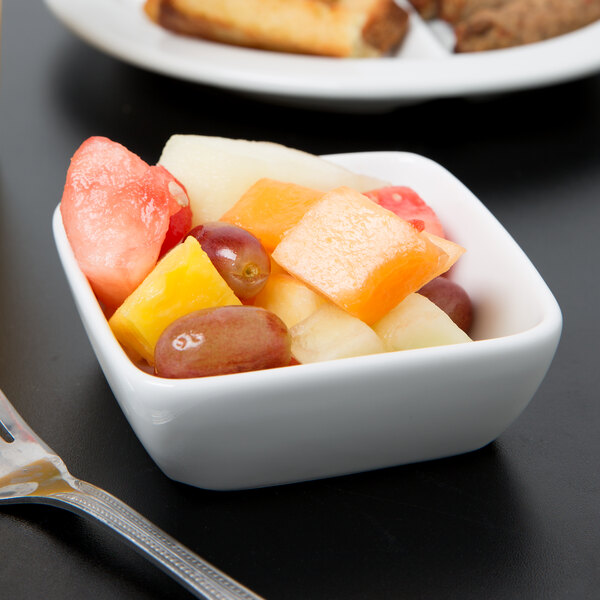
[{"x": 338, "y": 417}]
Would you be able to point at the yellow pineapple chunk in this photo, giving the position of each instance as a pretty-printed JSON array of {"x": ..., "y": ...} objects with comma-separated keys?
[{"x": 185, "y": 280}]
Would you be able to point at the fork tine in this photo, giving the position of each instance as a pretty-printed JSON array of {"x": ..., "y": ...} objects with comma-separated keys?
[
  {"x": 14, "y": 428},
  {"x": 23, "y": 449},
  {"x": 5, "y": 434}
]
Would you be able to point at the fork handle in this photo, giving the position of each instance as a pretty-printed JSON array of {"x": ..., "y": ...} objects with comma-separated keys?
[{"x": 199, "y": 577}]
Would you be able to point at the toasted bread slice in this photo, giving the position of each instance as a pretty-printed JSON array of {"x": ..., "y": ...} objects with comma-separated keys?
[{"x": 339, "y": 28}]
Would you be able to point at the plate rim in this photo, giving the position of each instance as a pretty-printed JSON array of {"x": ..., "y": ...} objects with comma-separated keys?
[{"x": 274, "y": 74}]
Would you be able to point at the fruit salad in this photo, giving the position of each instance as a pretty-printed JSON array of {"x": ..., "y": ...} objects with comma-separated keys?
[{"x": 231, "y": 256}]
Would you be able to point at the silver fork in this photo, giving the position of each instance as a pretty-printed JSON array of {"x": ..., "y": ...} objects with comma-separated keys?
[{"x": 30, "y": 472}]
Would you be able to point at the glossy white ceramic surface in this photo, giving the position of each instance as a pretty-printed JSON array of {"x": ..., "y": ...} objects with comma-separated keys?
[
  {"x": 338, "y": 417},
  {"x": 423, "y": 68}
]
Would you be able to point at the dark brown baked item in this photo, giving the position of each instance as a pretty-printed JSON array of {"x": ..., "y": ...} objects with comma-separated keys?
[
  {"x": 428, "y": 9},
  {"x": 340, "y": 28},
  {"x": 521, "y": 22},
  {"x": 454, "y": 11}
]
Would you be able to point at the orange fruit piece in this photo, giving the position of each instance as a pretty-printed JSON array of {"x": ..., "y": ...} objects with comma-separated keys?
[
  {"x": 269, "y": 208},
  {"x": 452, "y": 250},
  {"x": 361, "y": 256}
]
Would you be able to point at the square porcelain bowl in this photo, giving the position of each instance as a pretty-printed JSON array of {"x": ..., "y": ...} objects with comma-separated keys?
[{"x": 350, "y": 415}]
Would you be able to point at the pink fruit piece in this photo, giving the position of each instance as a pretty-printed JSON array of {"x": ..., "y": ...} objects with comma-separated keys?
[
  {"x": 408, "y": 205},
  {"x": 181, "y": 221},
  {"x": 116, "y": 210}
]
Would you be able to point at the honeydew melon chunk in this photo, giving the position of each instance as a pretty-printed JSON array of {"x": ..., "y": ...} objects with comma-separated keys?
[
  {"x": 418, "y": 323},
  {"x": 216, "y": 171},
  {"x": 331, "y": 333},
  {"x": 288, "y": 298}
]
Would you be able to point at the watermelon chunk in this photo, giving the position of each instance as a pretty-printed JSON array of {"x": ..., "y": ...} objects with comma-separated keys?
[
  {"x": 117, "y": 212},
  {"x": 408, "y": 205},
  {"x": 180, "y": 222}
]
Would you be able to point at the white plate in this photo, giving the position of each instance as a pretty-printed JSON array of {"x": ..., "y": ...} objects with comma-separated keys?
[
  {"x": 422, "y": 69},
  {"x": 354, "y": 414}
]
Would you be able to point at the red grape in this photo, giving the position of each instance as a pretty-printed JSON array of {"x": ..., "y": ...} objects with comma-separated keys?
[
  {"x": 221, "y": 340},
  {"x": 238, "y": 255}
]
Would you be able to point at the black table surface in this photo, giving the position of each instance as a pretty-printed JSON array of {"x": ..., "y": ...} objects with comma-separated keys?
[{"x": 517, "y": 519}]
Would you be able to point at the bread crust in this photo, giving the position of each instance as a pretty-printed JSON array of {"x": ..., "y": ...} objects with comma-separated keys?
[{"x": 340, "y": 28}]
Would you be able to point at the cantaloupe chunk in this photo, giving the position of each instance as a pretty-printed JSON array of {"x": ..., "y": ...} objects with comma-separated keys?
[
  {"x": 270, "y": 208},
  {"x": 358, "y": 254},
  {"x": 290, "y": 299},
  {"x": 183, "y": 281},
  {"x": 453, "y": 250}
]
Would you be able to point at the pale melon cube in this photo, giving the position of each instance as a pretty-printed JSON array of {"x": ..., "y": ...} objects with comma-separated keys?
[
  {"x": 217, "y": 171},
  {"x": 418, "y": 323},
  {"x": 332, "y": 333},
  {"x": 288, "y": 298}
]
